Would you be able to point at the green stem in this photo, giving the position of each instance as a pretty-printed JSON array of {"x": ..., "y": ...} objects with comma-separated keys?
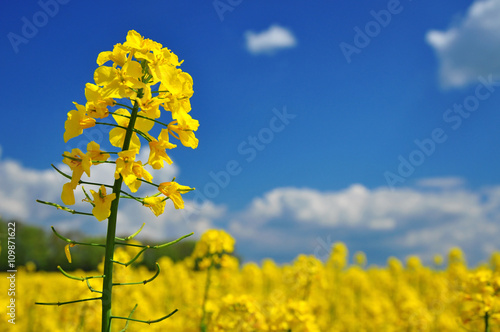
[
  {"x": 145, "y": 321},
  {"x": 203, "y": 323},
  {"x": 129, "y": 316},
  {"x": 140, "y": 282},
  {"x": 486, "y": 322},
  {"x": 131, "y": 236},
  {"x": 68, "y": 302},
  {"x": 60, "y": 207},
  {"x": 158, "y": 246},
  {"x": 66, "y": 274},
  {"x": 75, "y": 242},
  {"x": 111, "y": 234}
]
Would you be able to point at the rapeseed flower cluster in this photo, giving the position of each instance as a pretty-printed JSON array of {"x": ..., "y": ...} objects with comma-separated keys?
[
  {"x": 214, "y": 248},
  {"x": 146, "y": 75}
]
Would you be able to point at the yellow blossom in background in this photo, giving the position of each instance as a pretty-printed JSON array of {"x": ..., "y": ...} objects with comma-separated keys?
[
  {"x": 338, "y": 256},
  {"x": 269, "y": 296},
  {"x": 214, "y": 242},
  {"x": 360, "y": 258},
  {"x": 438, "y": 260}
]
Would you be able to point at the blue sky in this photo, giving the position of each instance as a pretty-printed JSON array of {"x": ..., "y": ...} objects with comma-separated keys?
[{"x": 374, "y": 123}]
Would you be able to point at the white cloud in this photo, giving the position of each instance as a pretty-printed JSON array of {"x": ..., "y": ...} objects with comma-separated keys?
[
  {"x": 448, "y": 182},
  {"x": 358, "y": 207},
  {"x": 270, "y": 40},
  {"x": 404, "y": 220},
  {"x": 470, "y": 47}
]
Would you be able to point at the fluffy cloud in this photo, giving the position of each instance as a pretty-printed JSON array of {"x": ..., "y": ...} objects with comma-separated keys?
[
  {"x": 270, "y": 40},
  {"x": 424, "y": 220},
  {"x": 470, "y": 47},
  {"x": 448, "y": 182}
]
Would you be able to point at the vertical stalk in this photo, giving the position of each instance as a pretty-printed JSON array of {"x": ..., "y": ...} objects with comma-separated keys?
[
  {"x": 203, "y": 323},
  {"x": 111, "y": 233},
  {"x": 486, "y": 322}
]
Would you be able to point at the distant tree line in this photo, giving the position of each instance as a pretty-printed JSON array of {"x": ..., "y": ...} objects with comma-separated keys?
[{"x": 46, "y": 250}]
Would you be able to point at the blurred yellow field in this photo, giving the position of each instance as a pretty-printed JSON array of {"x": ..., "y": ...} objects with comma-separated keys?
[{"x": 305, "y": 295}]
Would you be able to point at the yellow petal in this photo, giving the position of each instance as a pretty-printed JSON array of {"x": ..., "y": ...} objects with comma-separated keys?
[
  {"x": 68, "y": 254},
  {"x": 103, "y": 57},
  {"x": 104, "y": 75},
  {"x": 133, "y": 69},
  {"x": 68, "y": 195}
]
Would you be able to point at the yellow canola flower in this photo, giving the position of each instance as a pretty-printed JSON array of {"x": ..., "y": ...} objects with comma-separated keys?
[
  {"x": 102, "y": 202},
  {"x": 268, "y": 297},
  {"x": 184, "y": 127},
  {"x": 161, "y": 62},
  {"x": 118, "y": 56},
  {"x": 122, "y": 118},
  {"x": 213, "y": 242},
  {"x": 95, "y": 154},
  {"x": 360, "y": 258},
  {"x": 155, "y": 204},
  {"x": 338, "y": 256},
  {"x": 175, "y": 105},
  {"x": 238, "y": 313},
  {"x": 140, "y": 173},
  {"x": 179, "y": 92},
  {"x": 97, "y": 104},
  {"x": 138, "y": 44},
  {"x": 124, "y": 166},
  {"x": 173, "y": 190},
  {"x": 180, "y": 85},
  {"x": 119, "y": 82},
  {"x": 157, "y": 154},
  {"x": 80, "y": 163},
  {"x": 150, "y": 105},
  {"x": 76, "y": 122}
]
